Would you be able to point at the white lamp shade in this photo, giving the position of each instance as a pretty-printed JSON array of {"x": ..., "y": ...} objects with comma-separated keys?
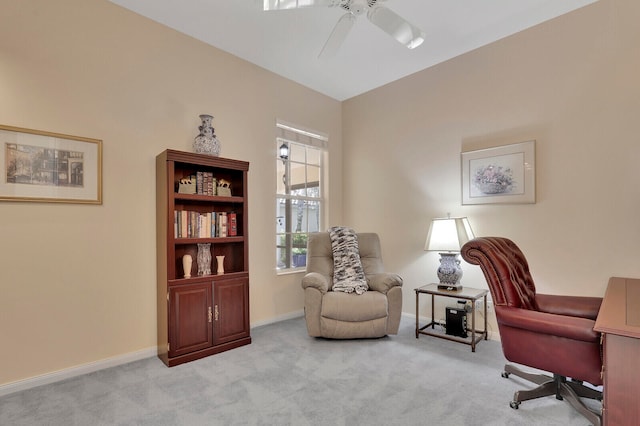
[{"x": 448, "y": 234}]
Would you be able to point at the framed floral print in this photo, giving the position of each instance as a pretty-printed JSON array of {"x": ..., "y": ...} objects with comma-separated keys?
[{"x": 499, "y": 175}]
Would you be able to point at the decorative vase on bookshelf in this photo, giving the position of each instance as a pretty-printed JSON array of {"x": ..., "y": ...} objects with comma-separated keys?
[
  {"x": 204, "y": 259},
  {"x": 206, "y": 142},
  {"x": 220, "y": 260},
  {"x": 186, "y": 265}
]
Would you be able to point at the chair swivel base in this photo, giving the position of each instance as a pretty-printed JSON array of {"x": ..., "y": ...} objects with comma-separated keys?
[{"x": 557, "y": 385}]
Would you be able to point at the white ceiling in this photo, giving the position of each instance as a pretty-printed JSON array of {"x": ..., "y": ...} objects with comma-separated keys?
[{"x": 287, "y": 42}]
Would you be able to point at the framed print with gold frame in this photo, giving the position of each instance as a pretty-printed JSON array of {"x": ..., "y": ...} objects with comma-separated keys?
[{"x": 49, "y": 167}]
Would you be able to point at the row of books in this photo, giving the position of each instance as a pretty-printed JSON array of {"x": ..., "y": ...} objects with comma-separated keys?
[
  {"x": 192, "y": 224},
  {"x": 202, "y": 183},
  {"x": 205, "y": 183}
]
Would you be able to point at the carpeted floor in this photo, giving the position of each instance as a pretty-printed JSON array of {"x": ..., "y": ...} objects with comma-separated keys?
[{"x": 287, "y": 378}]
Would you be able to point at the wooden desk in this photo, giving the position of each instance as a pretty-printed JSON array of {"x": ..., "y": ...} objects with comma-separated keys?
[{"x": 619, "y": 323}]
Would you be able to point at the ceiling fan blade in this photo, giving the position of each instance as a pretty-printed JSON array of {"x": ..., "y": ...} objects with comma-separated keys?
[
  {"x": 396, "y": 26},
  {"x": 339, "y": 33},
  {"x": 296, "y": 4}
]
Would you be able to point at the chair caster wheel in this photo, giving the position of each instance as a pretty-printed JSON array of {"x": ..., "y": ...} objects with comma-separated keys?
[
  {"x": 505, "y": 374},
  {"x": 514, "y": 405}
]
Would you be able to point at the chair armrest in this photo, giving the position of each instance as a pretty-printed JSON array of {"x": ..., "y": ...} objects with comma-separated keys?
[
  {"x": 384, "y": 282},
  {"x": 315, "y": 280},
  {"x": 569, "y": 327},
  {"x": 575, "y": 306}
]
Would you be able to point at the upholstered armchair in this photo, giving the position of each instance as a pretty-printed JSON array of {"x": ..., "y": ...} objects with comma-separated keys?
[
  {"x": 340, "y": 315},
  {"x": 542, "y": 331}
]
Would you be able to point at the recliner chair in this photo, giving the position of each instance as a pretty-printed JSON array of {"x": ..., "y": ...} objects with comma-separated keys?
[
  {"x": 339, "y": 315},
  {"x": 546, "y": 332}
]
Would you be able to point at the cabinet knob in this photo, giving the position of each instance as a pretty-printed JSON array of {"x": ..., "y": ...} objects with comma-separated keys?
[
  {"x": 209, "y": 312},
  {"x": 217, "y": 313}
]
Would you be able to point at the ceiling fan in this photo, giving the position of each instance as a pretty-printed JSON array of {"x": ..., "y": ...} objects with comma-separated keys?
[{"x": 385, "y": 19}]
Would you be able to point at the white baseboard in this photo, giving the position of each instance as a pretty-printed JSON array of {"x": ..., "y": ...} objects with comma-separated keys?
[
  {"x": 78, "y": 370},
  {"x": 288, "y": 316}
]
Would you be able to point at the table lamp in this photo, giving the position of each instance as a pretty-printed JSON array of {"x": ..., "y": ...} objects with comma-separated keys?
[{"x": 447, "y": 235}]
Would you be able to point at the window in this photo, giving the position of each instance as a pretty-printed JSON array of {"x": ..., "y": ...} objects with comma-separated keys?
[{"x": 299, "y": 197}]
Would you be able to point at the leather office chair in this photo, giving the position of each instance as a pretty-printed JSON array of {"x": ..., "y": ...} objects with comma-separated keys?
[
  {"x": 339, "y": 315},
  {"x": 545, "y": 332}
]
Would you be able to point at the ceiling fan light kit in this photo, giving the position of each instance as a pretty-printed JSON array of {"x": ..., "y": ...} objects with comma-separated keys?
[{"x": 385, "y": 19}]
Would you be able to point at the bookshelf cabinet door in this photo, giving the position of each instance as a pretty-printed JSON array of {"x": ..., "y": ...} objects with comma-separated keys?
[
  {"x": 231, "y": 307},
  {"x": 190, "y": 318}
]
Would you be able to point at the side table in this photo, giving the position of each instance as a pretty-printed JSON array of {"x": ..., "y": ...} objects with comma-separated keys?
[{"x": 466, "y": 293}]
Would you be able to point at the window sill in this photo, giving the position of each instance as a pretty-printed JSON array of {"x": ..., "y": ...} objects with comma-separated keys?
[{"x": 290, "y": 271}]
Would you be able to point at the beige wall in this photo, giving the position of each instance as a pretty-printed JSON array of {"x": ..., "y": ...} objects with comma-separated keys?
[
  {"x": 77, "y": 282},
  {"x": 573, "y": 85}
]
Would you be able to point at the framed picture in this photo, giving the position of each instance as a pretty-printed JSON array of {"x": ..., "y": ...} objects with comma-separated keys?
[
  {"x": 49, "y": 167},
  {"x": 500, "y": 175}
]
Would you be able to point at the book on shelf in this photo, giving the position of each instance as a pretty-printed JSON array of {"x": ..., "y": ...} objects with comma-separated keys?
[
  {"x": 232, "y": 224},
  {"x": 193, "y": 224},
  {"x": 185, "y": 224},
  {"x": 176, "y": 224},
  {"x": 222, "y": 224},
  {"x": 212, "y": 224},
  {"x": 202, "y": 226},
  {"x": 211, "y": 184},
  {"x": 199, "y": 181}
]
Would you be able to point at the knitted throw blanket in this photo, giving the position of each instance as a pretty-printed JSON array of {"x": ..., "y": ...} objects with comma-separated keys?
[{"x": 348, "y": 274}]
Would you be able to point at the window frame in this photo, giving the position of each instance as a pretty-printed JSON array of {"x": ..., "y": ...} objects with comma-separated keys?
[{"x": 289, "y": 238}]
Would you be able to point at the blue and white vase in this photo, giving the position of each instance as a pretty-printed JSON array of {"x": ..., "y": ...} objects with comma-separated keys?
[
  {"x": 449, "y": 271},
  {"x": 206, "y": 142}
]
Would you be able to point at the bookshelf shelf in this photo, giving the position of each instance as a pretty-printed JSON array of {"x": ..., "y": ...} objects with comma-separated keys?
[
  {"x": 209, "y": 198},
  {"x": 216, "y": 240},
  {"x": 201, "y": 315},
  {"x": 200, "y": 278}
]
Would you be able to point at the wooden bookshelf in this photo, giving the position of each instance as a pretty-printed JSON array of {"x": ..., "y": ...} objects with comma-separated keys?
[{"x": 200, "y": 315}]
